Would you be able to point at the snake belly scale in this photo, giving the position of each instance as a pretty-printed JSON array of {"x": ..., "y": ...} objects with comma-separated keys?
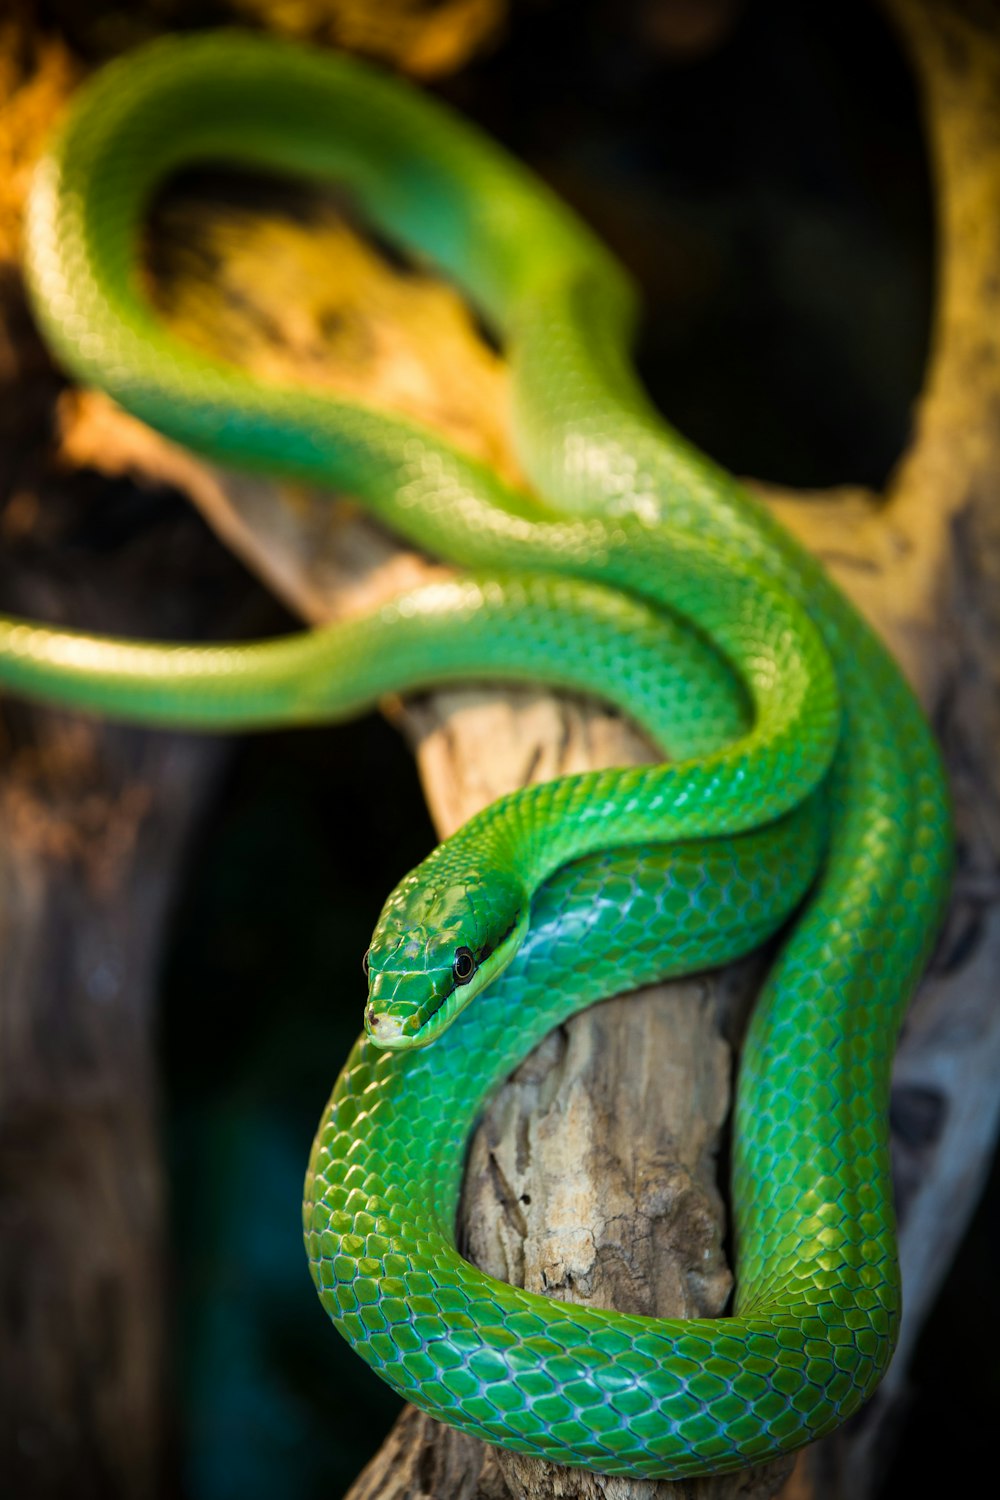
[{"x": 784, "y": 713}]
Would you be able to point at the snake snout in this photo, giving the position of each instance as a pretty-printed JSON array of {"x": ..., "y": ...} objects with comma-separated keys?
[{"x": 384, "y": 1030}]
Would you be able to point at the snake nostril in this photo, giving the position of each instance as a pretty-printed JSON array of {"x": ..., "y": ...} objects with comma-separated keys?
[{"x": 371, "y": 1017}]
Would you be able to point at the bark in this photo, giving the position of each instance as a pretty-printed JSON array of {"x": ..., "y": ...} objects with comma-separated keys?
[{"x": 594, "y": 1172}]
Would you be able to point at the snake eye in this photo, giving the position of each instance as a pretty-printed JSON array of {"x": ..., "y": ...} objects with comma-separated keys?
[
  {"x": 364, "y": 962},
  {"x": 464, "y": 966}
]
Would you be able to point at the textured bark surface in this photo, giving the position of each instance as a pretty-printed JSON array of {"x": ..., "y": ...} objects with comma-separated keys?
[{"x": 593, "y": 1175}]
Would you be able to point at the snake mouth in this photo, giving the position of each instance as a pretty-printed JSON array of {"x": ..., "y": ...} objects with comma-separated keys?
[
  {"x": 384, "y": 1030},
  {"x": 409, "y": 1035},
  {"x": 390, "y": 1035}
]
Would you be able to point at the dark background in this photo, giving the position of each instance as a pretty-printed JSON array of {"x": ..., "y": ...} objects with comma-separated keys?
[{"x": 765, "y": 178}]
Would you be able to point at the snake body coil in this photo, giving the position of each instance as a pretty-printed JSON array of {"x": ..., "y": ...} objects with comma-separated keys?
[{"x": 571, "y": 587}]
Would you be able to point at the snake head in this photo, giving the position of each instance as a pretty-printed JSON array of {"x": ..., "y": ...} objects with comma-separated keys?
[{"x": 439, "y": 942}]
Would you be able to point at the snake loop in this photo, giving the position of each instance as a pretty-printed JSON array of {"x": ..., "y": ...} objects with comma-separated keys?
[{"x": 636, "y": 568}]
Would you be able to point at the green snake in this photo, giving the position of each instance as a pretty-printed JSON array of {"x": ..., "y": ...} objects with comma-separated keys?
[{"x": 635, "y": 569}]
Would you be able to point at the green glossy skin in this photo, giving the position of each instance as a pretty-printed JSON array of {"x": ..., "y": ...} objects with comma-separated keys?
[{"x": 748, "y": 700}]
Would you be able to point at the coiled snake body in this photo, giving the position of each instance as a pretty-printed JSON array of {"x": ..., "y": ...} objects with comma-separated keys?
[{"x": 642, "y": 572}]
